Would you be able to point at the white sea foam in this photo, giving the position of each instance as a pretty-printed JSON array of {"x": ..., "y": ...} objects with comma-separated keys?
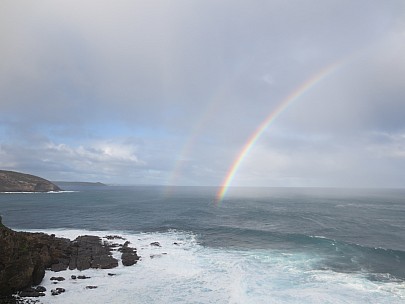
[{"x": 187, "y": 272}]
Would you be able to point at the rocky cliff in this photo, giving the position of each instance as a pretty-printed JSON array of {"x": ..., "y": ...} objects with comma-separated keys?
[
  {"x": 11, "y": 181},
  {"x": 24, "y": 257}
]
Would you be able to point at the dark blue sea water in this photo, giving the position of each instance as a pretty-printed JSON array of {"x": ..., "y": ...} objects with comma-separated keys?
[{"x": 259, "y": 245}]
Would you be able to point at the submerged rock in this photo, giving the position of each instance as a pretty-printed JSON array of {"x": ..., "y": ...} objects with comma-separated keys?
[{"x": 91, "y": 287}]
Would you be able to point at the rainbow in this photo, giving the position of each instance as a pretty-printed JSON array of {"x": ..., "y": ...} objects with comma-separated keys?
[
  {"x": 219, "y": 93},
  {"x": 282, "y": 106}
]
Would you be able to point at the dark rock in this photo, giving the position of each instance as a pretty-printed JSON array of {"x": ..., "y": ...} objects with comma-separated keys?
[
  {"x": 13, "y": 300},
  {"x": 91, "y": 287},
  {"x": 82, "y": 277},
  {"x": 11, "y": 181},
  {"x": 40, "y": 289},
  {"x": 113, "y": 245},
  {"x": 31, "y": 292},
  {"x": 38, "y": 273},
  {"x": 57, "y": 291},
  {"x": 114, "y": 237},
  {"x": 59, "y": 267},
  {"x": 89, "y": 252},
  {"x": 73, "y": 277},
  {"x": 129, "y": 256},
  {"x": 112, "y": 274},
  {"x": 57, "y": 279},
  {"x": 157, "y": 244},
  {"x": 25, "y": 256}
]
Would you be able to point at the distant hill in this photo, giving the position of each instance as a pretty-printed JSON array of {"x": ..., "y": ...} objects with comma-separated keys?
[{"x": 11, "y": 181}]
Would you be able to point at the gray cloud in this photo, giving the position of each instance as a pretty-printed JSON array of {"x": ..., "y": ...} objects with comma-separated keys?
[{"x": 174, "y": 89}]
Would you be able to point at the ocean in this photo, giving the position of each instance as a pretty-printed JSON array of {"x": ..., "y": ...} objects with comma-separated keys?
[{"x": 259, "y": 245}]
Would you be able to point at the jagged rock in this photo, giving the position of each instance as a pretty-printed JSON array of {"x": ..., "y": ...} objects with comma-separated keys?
[
  {"x": 88, "y": 252},
  {"x": 25, "y": 256},
  {"x": 11, "y": 181},
  {"x": 156, "y": 244},
  {"x": 129, "y": 256}
]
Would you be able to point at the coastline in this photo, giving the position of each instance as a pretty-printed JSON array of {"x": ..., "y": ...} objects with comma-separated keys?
[{"x": 29, "y": 257}]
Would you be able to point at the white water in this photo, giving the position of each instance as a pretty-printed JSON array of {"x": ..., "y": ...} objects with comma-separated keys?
[
  {"x": 190, "y": 273},
  {"x": 33, "y": 192}
]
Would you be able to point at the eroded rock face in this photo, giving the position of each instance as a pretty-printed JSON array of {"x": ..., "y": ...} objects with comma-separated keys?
[
  {"x": 25, "y": 256},
  {"x": 11, "y": 181},
  {"x": 89, "y": 252}
]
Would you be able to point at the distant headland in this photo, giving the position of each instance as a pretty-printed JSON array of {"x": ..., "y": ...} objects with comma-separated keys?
[
  {"x": 86, "y": 184},
  {"x": 11, "y": 181}
]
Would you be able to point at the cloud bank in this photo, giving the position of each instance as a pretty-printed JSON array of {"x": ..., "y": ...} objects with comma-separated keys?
[{"x": 159, "y": 92}]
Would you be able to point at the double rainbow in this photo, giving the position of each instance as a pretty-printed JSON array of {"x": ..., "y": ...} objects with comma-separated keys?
[{"x": 283, "y": 105}]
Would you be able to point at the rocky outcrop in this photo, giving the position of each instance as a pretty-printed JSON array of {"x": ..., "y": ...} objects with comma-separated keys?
[
  {"x": 88, "y": 252},
  {"x": 11, "y": 181},
  {"x": 24, "y": 257},
  {"x": 129, "y": 256}
]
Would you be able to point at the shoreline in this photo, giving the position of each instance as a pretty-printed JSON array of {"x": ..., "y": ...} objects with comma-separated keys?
[{"x": 29, "y": 257}]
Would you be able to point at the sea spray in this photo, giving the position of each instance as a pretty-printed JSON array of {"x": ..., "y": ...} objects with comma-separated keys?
[{"x": 182, "y": 271}]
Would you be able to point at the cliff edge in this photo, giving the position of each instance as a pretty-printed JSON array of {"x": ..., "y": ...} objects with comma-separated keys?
[
  {"x": 11, "y": 181},
  {"x": 25, "y": 256}
]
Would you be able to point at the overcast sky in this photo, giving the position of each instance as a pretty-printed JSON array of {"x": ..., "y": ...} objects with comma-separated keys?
[{"x": 168, "y": 92}]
